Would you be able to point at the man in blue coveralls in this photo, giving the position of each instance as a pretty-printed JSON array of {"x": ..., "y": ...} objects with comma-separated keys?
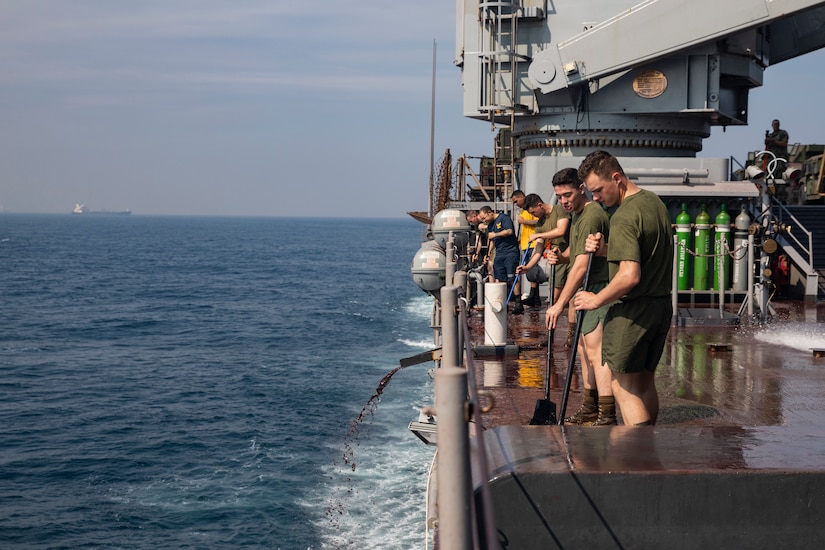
[{"x": 501, "y": 233}]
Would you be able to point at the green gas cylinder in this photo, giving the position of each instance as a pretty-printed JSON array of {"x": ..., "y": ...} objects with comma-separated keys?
[
  {"x": 721, "y": 246},
  {"x": 702, "y": 244},
  {"x": 682, "y": 246}
]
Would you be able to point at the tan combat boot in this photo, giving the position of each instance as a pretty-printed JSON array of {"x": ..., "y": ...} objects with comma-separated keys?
[
  {"x": 586, "y": 415},
  {"x": 607, "y": 412}
]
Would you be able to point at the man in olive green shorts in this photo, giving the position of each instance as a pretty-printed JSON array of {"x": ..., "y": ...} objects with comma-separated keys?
[
  {"x": 640, "y": 260},
  {"x": 598, "y": 407}
]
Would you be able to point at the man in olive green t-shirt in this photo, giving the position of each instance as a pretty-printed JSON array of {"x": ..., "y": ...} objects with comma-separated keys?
[
  {"x": 598, "y": 406},
  {"x": 550, "y": 232},
  {"x": 640, "y": 260}
]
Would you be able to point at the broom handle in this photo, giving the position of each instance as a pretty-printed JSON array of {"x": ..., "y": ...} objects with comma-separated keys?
[
  {"x": 575, "y": 344},
  {"x": 550, "y": 335}
]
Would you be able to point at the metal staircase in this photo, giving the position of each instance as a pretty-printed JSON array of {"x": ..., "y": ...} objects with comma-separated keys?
[{"x": 805, "y": 239}]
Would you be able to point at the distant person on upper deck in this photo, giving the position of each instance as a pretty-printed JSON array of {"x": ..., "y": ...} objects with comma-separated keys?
[{"x": 777, "y": 143}]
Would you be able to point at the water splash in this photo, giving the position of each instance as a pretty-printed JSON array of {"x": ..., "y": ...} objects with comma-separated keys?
[
  {"x": 422, "y": 344},
  {"x": 420, "y": 307},
  {"x": 352, "y": 440},
  {"x": 799, "y": 336},
  {"x": 354, "y": 432}
]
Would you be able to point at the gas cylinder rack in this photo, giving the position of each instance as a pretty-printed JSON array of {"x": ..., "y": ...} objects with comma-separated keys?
[{"x": 708, "y": 265}]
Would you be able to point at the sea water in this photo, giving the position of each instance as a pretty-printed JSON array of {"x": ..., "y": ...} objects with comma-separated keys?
[{"x": 193, "y": 382}]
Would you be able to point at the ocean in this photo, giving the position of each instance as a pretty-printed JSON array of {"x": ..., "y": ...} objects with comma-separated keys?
[{"x": 194, "y": 382}]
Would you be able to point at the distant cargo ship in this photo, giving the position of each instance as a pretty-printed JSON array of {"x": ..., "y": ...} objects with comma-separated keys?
[{"x": 81, "y": 208}]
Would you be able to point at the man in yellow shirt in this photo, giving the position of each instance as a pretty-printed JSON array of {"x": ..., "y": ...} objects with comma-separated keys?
[{"x": 527, "y": 226}]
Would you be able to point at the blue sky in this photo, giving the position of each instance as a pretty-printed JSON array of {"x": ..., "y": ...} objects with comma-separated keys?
[{"x": 261, "y": 107}]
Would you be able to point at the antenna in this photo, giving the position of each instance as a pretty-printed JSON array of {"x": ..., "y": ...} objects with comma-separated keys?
[{"x": 432, "y": 140}]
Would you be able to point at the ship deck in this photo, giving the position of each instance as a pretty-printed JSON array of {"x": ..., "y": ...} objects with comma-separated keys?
[
  {"x": 709, "y": 375},
  {"x": 737, "y": 455}
]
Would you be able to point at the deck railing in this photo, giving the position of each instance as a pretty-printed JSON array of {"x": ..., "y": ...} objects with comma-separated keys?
[{"x": 783, "y": 215}]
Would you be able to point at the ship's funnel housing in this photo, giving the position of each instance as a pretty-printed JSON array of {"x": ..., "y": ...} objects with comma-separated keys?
[
  {"x": 429, "y": 267},
  {"x": 451, "y": 220}
]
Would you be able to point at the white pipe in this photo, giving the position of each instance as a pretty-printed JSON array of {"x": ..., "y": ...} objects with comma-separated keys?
[
  {"x": 720, "y": 275},
  {"x": 695, "y": 173},
  {"x": 495, "y": 314},
  {"x": 674, "y": 289}
]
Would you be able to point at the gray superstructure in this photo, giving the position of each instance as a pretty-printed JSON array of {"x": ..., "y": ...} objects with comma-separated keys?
[
  {"x": 735, "y": 459},
  {"x": 646, "y": 81}
]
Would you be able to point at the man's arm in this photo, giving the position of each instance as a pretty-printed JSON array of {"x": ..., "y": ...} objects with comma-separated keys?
[
  {"x": 559, "y": 231},
  {"x": 625, "y": 280},
  {"x": 575, "y": 277},
  {"x": 475, "y": 249},
  {"x": 596, "y": 244},
  {"x": 507, "y": 227},
  {"x": 554, "y": 256},
  {"x": 502, "y": 233},
  {"x": 534, "y": 258}
]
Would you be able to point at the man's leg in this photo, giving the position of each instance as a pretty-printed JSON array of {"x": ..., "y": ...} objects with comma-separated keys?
[
  {"x": 588, "y": 413},
  {"x": 571, "y": 324},
  {"x": 602, "y": 377},
  {"x": 588, "y": 353},
  {"x": 636, "y": 396},
  {"x": 511, "y": 261},
  {"x": 535, "y": 276}
]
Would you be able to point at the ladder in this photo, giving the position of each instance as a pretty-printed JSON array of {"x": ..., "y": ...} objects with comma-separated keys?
[{"x": 500, "y": 87}]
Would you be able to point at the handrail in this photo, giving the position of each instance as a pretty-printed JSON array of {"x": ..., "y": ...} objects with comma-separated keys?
[
  {"x": 486, "y": 504},
  {"x": 810, "y": 249}
]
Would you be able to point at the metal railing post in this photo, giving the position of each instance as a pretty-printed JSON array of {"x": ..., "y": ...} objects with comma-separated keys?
[
  {"x": 449, "y": 269},
  {"x": 751, "y": 289},
  {"x": 450, "y": 349},
  {"x": 460, "y": 283},
  {"x": 454, "y": 484}
]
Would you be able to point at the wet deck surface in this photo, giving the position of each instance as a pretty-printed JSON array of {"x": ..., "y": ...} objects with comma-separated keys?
[
  {"x": 736, "y": 460},
  {"x": 731, "y": 377}
]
